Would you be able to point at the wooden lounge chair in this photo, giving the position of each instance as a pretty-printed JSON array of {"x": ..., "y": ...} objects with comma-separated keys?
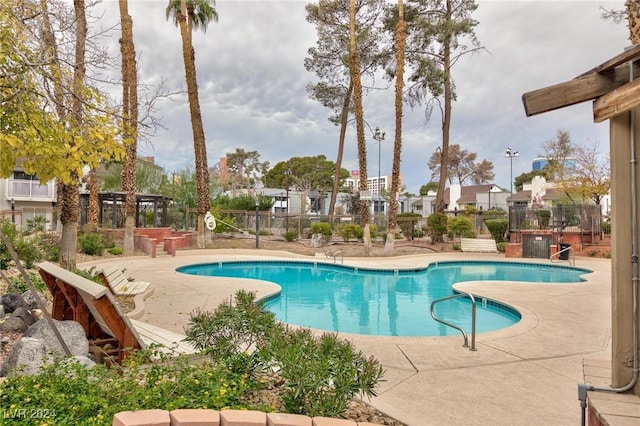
[
  {"x": 94, "y": 307},
  {"x": 119, "y": 284},
  {"x": 478, "y": 245}
]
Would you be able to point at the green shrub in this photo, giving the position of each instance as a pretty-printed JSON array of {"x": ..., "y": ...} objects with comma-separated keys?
[
  {"x": 290, "y": 236},
  {"x": 323, "y": 373},
  {"x": 437, "y": 227},
  {"x": 320, "y": 374},
  {"x": 347, "y": 232},
  {"x": 543, "y": 218},
  {"x": 73, "y": 394},
  {"x": 115, "y": 251},
  {"x": 502, "y": 246},
  {"x": 323, "y": 228},
  {"x": 91, "y": 244},
  {"x": 606, "y": 227},
  {"x": 28, "y": 252},
  {"x": 35, "y": 278},
  {"x": 11, "y": 232},
  {"x": 461, "y": 226},
  {"x": 36, "y": 224},
  {"x": 498, "y": 228}
]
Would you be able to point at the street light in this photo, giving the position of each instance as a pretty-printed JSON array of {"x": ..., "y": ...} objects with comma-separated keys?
[
  {"x": 509, "y": 153},
  {"x": 378, "y": 137},
  {"x": 257, "y": 222},
  {"x": 13, "y": 210}
]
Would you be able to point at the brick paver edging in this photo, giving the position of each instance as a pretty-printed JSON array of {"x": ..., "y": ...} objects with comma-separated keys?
[{"x": 205, "y": 417}]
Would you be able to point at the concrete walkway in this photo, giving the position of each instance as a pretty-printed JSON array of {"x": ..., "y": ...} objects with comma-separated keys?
[{"x": 526, "y": 374}]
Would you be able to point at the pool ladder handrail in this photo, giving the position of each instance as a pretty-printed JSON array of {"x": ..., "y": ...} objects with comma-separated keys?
[
  {"x": 333, "y": 254},
  {"x": 572, "y": 255},
  {"x": 460, "y": 329}
]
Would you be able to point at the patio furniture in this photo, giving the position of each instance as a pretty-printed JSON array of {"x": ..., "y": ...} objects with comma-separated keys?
[{"x": 112, "y": 335}]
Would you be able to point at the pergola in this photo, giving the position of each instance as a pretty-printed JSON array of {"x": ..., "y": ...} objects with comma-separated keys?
[
  {"x": 114, "y": 201},
  {"x": 615, "y": 91}
]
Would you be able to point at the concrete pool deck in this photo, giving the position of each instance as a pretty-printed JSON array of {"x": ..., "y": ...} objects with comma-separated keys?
[{"x": 526, "y": 374}]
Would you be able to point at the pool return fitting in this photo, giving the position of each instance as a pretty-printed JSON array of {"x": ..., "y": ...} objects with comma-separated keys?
[{"x": 583, "y": 388}]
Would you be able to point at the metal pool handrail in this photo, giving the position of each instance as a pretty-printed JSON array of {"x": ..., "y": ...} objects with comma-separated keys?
[
  {"x": 571, "y": 258},
  {"x": 473, "y": 319},
  {"x": 333, "y": 254}
]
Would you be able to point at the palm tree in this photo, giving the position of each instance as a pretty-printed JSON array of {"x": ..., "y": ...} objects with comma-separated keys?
[
  {"x": 189, "y": 15},
  {"x": 129, "y": 122},
  {"x": 392, "y": 217},
  {"x": 354, "y": 68}
]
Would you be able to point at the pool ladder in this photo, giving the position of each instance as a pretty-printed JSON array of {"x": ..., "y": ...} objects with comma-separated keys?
[
  {"x": 571, "y": 255},
  {"x": 333, "y": 254},
  {"x": 473, "y": 319}
]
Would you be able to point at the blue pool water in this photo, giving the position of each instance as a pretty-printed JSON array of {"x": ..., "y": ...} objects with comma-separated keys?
[{"x": 383, "y": 302}]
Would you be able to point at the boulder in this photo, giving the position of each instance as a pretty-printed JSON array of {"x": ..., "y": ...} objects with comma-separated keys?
[
  {"x": 317, "y": 240},
  {"x": 32, "y": 303},
  {"x": 18, "y": 322},
  {"x": 11, "y": 302},
  {"x": 71, "y": 331},
  {"x": 39, "y": 345}
]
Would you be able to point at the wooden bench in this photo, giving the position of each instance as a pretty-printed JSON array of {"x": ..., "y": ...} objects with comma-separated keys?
[
  {"x": 110, "y": 332},
  {"x": 119, "y": 284},
  {"x": 478, "y": 245}
]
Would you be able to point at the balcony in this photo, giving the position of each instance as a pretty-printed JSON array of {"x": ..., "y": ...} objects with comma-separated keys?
[{"x": 30, "y": 190}]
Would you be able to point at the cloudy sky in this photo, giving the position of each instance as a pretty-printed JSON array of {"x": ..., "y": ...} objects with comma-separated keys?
[{"x": 252, "y": 85}]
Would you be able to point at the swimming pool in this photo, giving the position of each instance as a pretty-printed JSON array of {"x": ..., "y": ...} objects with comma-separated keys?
[{"x": 385, "y": 302}]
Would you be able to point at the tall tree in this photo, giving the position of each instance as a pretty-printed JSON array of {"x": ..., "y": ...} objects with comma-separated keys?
[
  {"x": 354, "y": 67},
  {"x": 462, "y": 166},
  {"x": 129, "y": 121},
  {"x": 437, "y": 30},
  {"x": 189, "y": 15},
  {"x": 592, "y": 178},
  {"x": 392, "y": 216},
  {"x": 246, "y": 166},
  {"x": 330, "y": 62}
]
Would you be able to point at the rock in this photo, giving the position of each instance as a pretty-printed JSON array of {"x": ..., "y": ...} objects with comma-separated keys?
[
  {"x": 32, "y": 303},
  {"x": 39, "y": 345},
  {"x": 18, "y": 322},
  {"x": 26, "y": 358},
  {"x": 71, "y": 331},
  {"x": 26, "y": 315},
  {"x": 11, "y": 302},
  {"x": 317, "y": 240}
]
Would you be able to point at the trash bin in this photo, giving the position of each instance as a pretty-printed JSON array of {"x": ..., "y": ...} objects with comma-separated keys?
[{"x": 563, "y": 249}]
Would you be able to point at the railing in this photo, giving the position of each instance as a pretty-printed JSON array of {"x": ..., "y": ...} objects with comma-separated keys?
[
  {"x": 333, "y": 254},
  {"x": 460, "y": 329},
  {"x": 30, "y": 190},
  {"x": 570, "y": 255}
]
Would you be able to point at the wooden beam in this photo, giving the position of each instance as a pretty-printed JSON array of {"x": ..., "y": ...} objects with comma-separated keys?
[
  {"x": 585, "y": 88},
  {"x": 630, "y": 54},
  {"x": 621, "y": 100}
]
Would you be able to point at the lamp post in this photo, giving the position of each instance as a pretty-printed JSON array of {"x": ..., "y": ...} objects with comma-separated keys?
[
  {"x": 257, "y": 222},
  {"x": 379, "y": 137},
  {"x": 287, "y": 173},
  {"x": 13, "y": 210},
  {"x": 510, "y": 153}
]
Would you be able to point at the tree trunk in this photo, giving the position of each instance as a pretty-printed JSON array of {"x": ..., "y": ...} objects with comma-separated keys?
[
  {"x": 633, "y": 20},
  {"x": 129, "y": 123},
  {"x": 70, "y": 194},
  {"x": 446, "y": 119},
  {"x": 203, "y": 198},
  {"x": 343, "y": 132},
  {"x": 392, "y": 215},
  {"x": 92, "y": 218},
  {"x": 354, "y": 63}
]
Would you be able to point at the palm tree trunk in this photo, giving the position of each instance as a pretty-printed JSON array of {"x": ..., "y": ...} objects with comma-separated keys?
[
  {"x": 203, "y": 202},
  {"x": 392, "y": 215},
  {"x": 633, "y": 20},
  {"x": 343, "y": 132},
  {"x": 354, "y": 63},
  {"x": 70, "y": 192},
  {"x": 92, "y": 217},
  {"x": 129, "y": 123}
]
